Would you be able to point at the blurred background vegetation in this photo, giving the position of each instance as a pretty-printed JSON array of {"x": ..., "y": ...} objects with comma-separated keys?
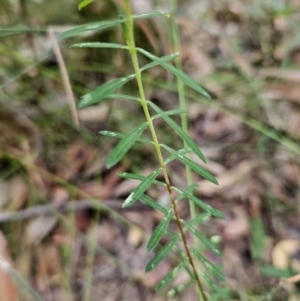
[{"x": 61, "y": 223}]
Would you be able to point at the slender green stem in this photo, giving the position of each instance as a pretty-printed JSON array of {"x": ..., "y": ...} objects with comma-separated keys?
[
  {"x": 130, "y": 41},
  {"x": 182, "y": 100},
  {"x": 183, "y": 106}
]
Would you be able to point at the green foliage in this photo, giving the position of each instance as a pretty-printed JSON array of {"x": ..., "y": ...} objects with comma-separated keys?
[
  {"x": 189, "y": 254},
  {"x": 159, "y": 231},
  {"x": 125, "y": 145}
]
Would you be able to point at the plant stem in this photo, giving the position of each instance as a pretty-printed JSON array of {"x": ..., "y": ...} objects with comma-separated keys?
[
  {"x": 182, "y": 101},
  {"x": 183, "y": 106},
  {"x": 130, "y": 41}
]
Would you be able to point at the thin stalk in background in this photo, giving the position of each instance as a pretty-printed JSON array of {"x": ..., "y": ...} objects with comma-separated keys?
[
  {"x": 183, "y": 105},
  {"x": 182, "y": 100},
  {"x": 130, "y": 41}
]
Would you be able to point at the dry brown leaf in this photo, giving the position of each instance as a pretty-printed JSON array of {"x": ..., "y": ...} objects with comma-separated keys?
[
  {"x": 18, "y": 192},
  {"x": 94, "y": 114},
  {"x": 282, "y": 254},
  {"x": 76, "y": 158},
  {"x": 227, "y": 178},
  {"x": 135, "y": 236},
  {"x": 282, "y": 91},
  {"x": 287, "y": 75},
  {"x": 198, "y": 63},
  {"x": 48, "y": 262},
  {"x": 238, "y": 227},
  {"x": 8, "y": 288},
  {"x": 39, "y": 228},
  {"x": 59, "y": 195}
]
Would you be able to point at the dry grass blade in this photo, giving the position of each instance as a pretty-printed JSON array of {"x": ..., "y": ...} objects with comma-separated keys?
[{"x": 65, "y": 77}]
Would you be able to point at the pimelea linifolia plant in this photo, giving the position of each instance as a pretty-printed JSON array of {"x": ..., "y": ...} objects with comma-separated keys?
[{"x": 202, "y": 275}]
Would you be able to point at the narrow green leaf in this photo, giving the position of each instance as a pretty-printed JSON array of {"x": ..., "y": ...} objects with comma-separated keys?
[
  {"x": 193, "y": 222},
  {"x": 200, "y": 218},
  {"x": 164, "y": 58},
  {"x": 222, "y": 293},
  {"x": 201, "y": 204},
  {"x": 139, "y": 191},
  {"x": 99, "y": 45},
  {"x": 125, "y": 145},
  {"x": 133, "y": 176},
  {"x": 208, "y": 265},
  {"x": 182, "y": 151},
  {"x": 190, "y": 189},
  {"x": 181, "y": 75},
  {"x": 151, "y": 203},
  {"x": 151, "y": 14},
  {"x": 103, "y": 91},
  {"x": 121, "y": 136},
  {"x": 90, "y": 27},
  {"x": 123, "y": 96},
  {"x": 179, "y": 131},
  {"x": 194, "y": 166},
  {"x": 169, "y": 277},
  {"x": 271, "y": 271},
  {"x": 211, "y": 246},
  {"x": 178, "y": 289},
  {"x": 258, "y": 237},
  {"x": 6, "y": 32},
  {"x": 184, "y": 258},
  {"x": 170, "y": 112},
  {"x": 159, "y": 256},
  {"x": 84, "y": 3},
  {"x": 159, "y": 231}
]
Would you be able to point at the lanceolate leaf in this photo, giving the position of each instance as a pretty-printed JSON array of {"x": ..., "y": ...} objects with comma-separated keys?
[
  {"x": 190, "y": 189},
  {"x": 139, "y": 191},
  {"x": 103, "y": 91},
  {"x": 182, "y": 151},
  {"x": 194, "y": 166},
  {"x": 209, "y": 266},
  {"x": 90, "y": 27},
  {"x": 169, "y": 277},
  {"x": 170, "y": 112},
  {"x": 164, "y": 58},
  {"x": 202, "y": 204},
  {"x": 123, "y": 96},
  {"x": 181, "y": 75},
  {"x": 216, "y": 288},
  {"x": 211, "y": 246},
  {"x": 153, "y": 204},
  {"x": 125, "y": 145},
  {"x": 193, "y": 222},
  {"x": 179, "y": 131},
  {"x": 99, "y": 45},
  {"x": 134, "y": 176},
  {"x": 121, "y": 136},
  {"x": 151, "y": 14},
  {"x": 200, "y": 218},
  {"x": 159, "y": 231},
  {"x": 160, "y": 255},
  {"x": 178, "y": 289}
]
